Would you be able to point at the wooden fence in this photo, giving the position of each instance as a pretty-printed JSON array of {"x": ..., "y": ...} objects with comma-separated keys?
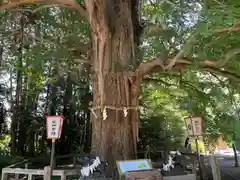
[{"x": 20, "y": 170}]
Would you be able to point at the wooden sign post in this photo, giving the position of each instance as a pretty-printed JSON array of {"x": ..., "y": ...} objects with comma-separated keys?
[
  {"x": 54, "y": 131},
  {"x": 194, "y": 127}
]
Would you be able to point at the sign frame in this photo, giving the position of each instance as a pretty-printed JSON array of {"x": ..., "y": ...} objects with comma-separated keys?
[
  {"x": 145, "y": 174},
  {"x": 121, "y": 174},
  {"x": 191, "y": 122},
  {"x": 59, "y": 131},
  {"x": 192, "y": 132}
]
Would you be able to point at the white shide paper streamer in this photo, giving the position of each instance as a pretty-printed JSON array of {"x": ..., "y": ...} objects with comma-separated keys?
[{"x": 87, "y": 170}]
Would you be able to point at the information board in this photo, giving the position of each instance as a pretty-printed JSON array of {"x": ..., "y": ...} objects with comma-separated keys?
[{"x": 133, "y": 165}]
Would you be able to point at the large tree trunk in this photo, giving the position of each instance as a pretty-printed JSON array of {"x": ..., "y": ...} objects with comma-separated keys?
[
  {"x": 115, "y": 137},
  {"x": 113, "y": 26}
]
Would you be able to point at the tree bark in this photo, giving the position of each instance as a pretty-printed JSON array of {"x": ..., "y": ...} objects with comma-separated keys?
[
  {"x": 115, "y": 137},
  {"x": 18, "y": 97},
  {"x": 114, "y": 28}
]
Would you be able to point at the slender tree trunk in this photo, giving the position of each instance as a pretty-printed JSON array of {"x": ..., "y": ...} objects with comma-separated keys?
[
  {"x": 46, "y": 113},
  {"x": 16, "y": 106},
  {"x": 114, "y": 25},
  {"x": 86, "y": 139},
  {"x": 62, "y": 146},
  {"x": 87, "y": 133}
]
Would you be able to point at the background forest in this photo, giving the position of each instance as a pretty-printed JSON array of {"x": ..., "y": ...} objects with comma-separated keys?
[{"x": 44, "y": 70}]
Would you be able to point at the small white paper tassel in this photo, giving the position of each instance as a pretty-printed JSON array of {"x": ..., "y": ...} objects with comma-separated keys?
[
  {"x": 104, "y": 114},
  {"x": 178, "y": 153},
  {"x": 166, "y": 167},
  {"x": 125, "y": 112},
  {"x": 97, "y": 161},
  {"x": 171, "y": 162},
  {"x": 85, "y": 171},
  {"x": 91, "y": 169}
]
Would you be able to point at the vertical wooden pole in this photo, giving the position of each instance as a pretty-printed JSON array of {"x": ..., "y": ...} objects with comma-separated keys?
[
  {"x": 48, "y": 170},
  {"x": 16, "y": 176},
  {"x": 54, "y": 162},
  {"x": 235, "y": 155},
  {"x": 215, "y": 168},
  {"x": 47, "y": 173},
  {"x": 194, "y": 168},
  {"x": 52, "y": 154},
  {"x": 30, "y": 177},
  {"x": 4, "y": 176},
  {"x": 199, "y": 160},
  {"x": 197, "y": 151},
  {"x": 63, "y": 176},
  {"x": 74, "y": 161}
]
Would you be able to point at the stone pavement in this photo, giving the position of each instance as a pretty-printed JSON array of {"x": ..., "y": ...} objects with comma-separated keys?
[{"x": 227, "y": 169}]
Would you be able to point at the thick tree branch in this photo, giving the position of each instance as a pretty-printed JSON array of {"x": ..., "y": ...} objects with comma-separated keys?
[
  {"x": 19, "y": 3},
  {"x": 157, "y": 65},
  {"x": 147, "y": 67},
  {"x": 181, "y": 64},
  {"x": 78, "y": 8},
  {"x": 235, "y": 29},
  {"x": 60, "y": 3},
  {"x": 230, "y": 29}
]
